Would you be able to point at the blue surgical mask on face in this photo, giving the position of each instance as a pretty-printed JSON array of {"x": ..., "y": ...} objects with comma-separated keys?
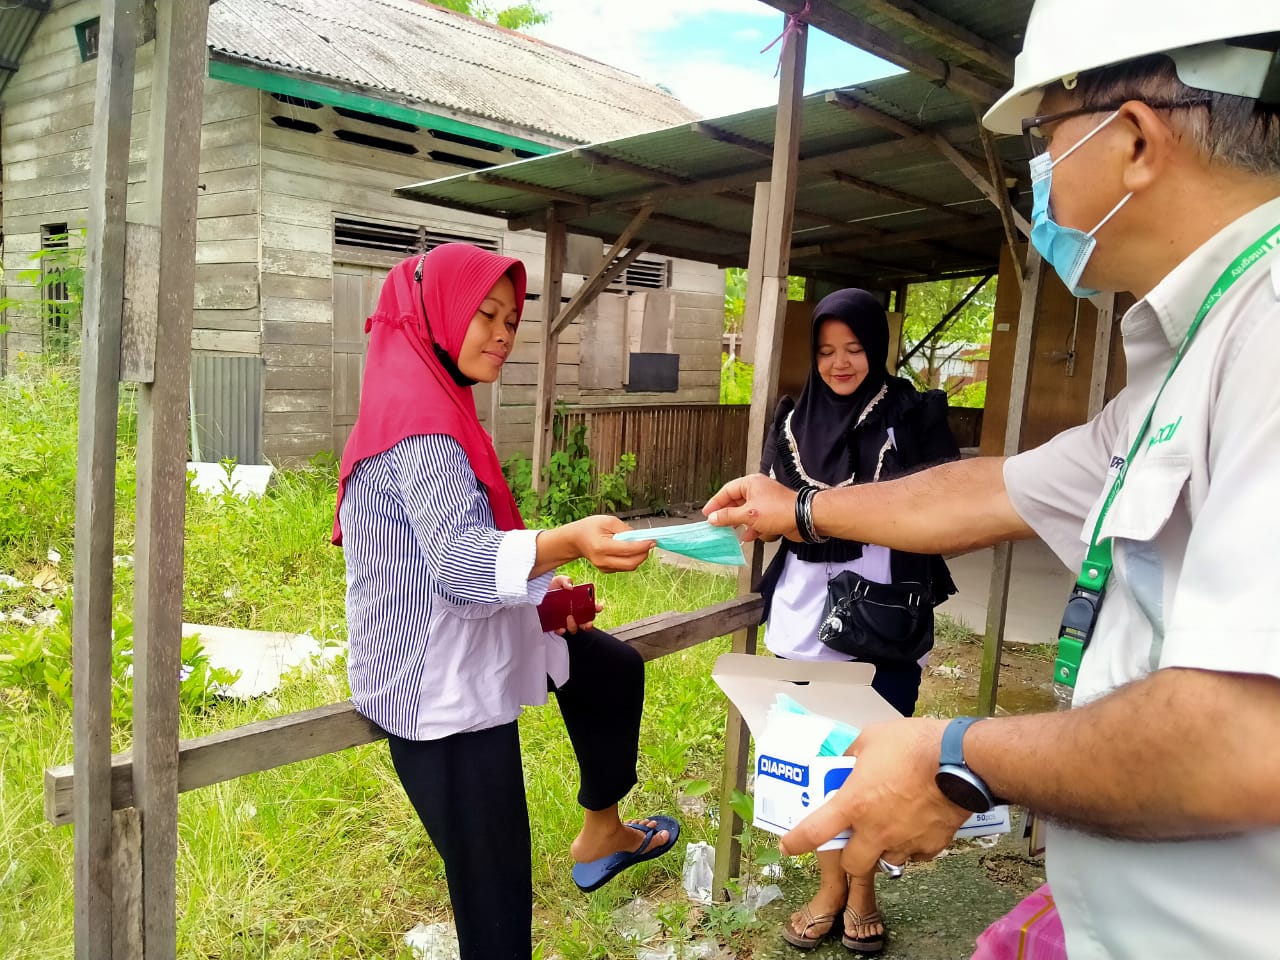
[{"x": 1066, "y": 248}]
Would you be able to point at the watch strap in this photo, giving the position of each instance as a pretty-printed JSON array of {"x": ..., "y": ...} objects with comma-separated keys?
[{"x": 952, "y": 752}]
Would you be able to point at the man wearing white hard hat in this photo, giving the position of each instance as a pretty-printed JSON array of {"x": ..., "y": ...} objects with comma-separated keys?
[{"x": 1154, "y": 127}]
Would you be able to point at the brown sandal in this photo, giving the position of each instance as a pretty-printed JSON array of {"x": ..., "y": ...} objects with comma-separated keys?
[
  {"x": 801, "y": 939},
  {"x": 872, "y": 943}
]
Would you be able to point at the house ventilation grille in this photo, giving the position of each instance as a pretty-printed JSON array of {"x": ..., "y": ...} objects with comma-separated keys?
[
  {"x": 646, "y": 275},
  {"x": 400, "y": 238}
]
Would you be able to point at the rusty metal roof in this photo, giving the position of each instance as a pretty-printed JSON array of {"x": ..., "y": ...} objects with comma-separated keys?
[
  {"x": 435, "y": 56},
  {"x": 876, "y": 202}
]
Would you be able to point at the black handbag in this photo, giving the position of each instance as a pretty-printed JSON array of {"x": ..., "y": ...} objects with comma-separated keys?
[{"x": 877, "y": 621}]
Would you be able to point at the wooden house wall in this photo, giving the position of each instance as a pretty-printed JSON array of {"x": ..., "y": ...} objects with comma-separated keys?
[
  {"x": 1058, "y": 393},
  {"x": 46, "y": 124},
  {"x": 266, "y": 253}
]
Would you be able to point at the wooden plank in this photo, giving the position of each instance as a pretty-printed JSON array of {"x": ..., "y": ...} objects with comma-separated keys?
[
  {"x": 174, "y": 148},
  {"x": 815, "y": 164},
  {"x": 924, "y": 21},
  {"x": 226, "y": 286},
  {"x": 298, "y": 311},
  {"x": 297, "y": 378},
  {"x": 228, "y": 203},
  {"x": 1019, "y": 394},
  {"x": 592, "y": 289},
  {"x": 95, "y": 480},
  {"x": 1002, "y": 199},
  {"x": 141, "y": 291},
  {"x": 296, "y": 287},
  {"x": 552, "y": 282},
  {"x": 901, "y": 196},
  {"x": 296, "y": 263},
  {"x": 227, "y": 251},
  {"x": 770, "y": 298},
  {"x": 267, "y": 744},
  {"x": 830, "y": 18},
  {"x": 226, "y": 341},
  {"x": 126, "y": 886},
  {"x": 250, "y": 319},
  {"x": 998, "y": 195},
  {"x": 243, "y": 227},
  {"x": 1106, "y": 306}
]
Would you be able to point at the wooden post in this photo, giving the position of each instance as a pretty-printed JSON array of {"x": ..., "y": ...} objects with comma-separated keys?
[
  {"x": 552, "y": 284},
  {"x": 177, "y": 90},
  {"x": 1106, "y": 304},
  {"x": 767, "y": 295},
  {"x": 1002, "y": 198},
  {"x": 96, "y": 478},
  {"x": 998, "y": 596},
  {"x": 126, "y": 887}
]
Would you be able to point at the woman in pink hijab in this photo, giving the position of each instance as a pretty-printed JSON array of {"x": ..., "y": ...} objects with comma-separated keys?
[{"x": 442, "y": 586}]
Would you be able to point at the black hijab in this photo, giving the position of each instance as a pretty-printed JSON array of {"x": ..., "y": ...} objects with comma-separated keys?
[{"x": 823, "y": 420}]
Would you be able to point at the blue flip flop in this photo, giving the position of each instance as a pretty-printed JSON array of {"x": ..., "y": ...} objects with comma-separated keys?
[{"x": 594, "y": 874}]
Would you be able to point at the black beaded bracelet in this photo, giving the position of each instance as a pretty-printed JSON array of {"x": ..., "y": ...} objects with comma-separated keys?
[{"x": 804, "y": 516}]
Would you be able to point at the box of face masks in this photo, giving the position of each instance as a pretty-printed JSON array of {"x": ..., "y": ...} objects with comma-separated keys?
[{"x": 792, "y": 776}]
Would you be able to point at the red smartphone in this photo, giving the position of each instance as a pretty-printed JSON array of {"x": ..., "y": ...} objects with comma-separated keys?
[{"x": 578, "y": 602}]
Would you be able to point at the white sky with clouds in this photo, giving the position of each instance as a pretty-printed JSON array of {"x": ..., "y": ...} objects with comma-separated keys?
[{"x": 706, "y": 51}]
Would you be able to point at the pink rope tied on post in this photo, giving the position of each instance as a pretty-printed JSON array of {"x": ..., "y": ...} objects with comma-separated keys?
[{"x": 794, "y": 22}]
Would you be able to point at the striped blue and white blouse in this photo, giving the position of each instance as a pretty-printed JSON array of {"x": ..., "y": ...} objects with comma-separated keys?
[{"x": 441, "y": 619}]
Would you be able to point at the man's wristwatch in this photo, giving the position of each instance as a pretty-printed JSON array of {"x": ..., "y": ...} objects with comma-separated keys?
[{"x": 957, "y": 782}]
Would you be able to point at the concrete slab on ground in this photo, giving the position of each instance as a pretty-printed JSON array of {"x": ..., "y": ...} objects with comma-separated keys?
[
  {"x": 1038, "y": 589},
  {"x": 261, "y": 657}
]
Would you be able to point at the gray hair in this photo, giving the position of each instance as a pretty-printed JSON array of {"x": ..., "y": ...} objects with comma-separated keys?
[{"x": 1231, "y": 130}]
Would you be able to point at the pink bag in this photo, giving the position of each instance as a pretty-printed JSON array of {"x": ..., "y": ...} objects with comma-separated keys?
[{"x": 1030, "y": 931}]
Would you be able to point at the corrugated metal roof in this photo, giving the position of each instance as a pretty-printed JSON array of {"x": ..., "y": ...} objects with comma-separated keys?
[
  {"x": 434, "y": 56},
  {"x": 18, "y": 21},
  {"x": 872, "y": 206}
]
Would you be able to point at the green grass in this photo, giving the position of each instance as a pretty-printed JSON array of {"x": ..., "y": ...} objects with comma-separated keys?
[{"x": 323, "y": 858}]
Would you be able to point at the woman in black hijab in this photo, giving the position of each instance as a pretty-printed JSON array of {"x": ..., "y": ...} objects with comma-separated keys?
[{"x": 853, "y": 423}]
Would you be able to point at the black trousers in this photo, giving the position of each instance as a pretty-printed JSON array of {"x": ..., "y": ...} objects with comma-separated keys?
[{"x": 468, "y": 790}]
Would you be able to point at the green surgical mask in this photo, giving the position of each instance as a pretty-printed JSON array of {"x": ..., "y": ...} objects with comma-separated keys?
[{"x": 701, "y": 541}]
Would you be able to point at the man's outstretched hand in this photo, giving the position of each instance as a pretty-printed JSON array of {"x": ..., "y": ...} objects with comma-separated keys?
[{"x": 765, "y": 507}]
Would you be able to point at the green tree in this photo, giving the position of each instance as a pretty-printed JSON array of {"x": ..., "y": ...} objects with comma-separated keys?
[
  {"x": 735, "y": 296},
  {"x": 515, "y": 17},
  {"x": 927, "y": 304}
]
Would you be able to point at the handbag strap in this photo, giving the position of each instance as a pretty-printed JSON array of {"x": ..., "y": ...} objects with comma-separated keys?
[{"x": 908, "y": 594}]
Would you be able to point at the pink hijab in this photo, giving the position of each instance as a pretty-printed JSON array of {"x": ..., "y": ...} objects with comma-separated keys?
[{"x": 406, "y": 391}]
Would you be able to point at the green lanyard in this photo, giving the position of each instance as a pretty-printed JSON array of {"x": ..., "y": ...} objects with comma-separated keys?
[{"x": 1081, "y": 614}]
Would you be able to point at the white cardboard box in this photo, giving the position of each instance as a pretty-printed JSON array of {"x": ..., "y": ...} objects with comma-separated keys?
[{"x": 789, "y": 785}]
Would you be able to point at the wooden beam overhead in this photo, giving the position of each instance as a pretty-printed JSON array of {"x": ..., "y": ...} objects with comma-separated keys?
[
  {"x": 997, "y": 194},
  {"x": 951, "y": 35},
  {"x": 1007, "y": 214},
  {"x": 596, "y": 285},
  {"x": 852, "y": 244},
  {"x": 901, "y": 196},
  {"x": 814, "y": 165},
  {"x": 966, "y": 164},
  {"x": 847, "y": 101},
  {"x": 614, "y": 263},
  {"x": 826, "y": 16},
  {"x": 551, "y": 193},
  {"x": 697, "y": 226},
  {"x": 626, "y": 166},
  {"x": 721, "y": 135}
]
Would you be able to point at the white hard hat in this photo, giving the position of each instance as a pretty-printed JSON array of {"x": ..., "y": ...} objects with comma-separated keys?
[{"x": 1067, "y": 37}]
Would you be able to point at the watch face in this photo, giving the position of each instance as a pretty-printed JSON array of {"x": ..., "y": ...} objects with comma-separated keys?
[{"x": 962, "y": 791}]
